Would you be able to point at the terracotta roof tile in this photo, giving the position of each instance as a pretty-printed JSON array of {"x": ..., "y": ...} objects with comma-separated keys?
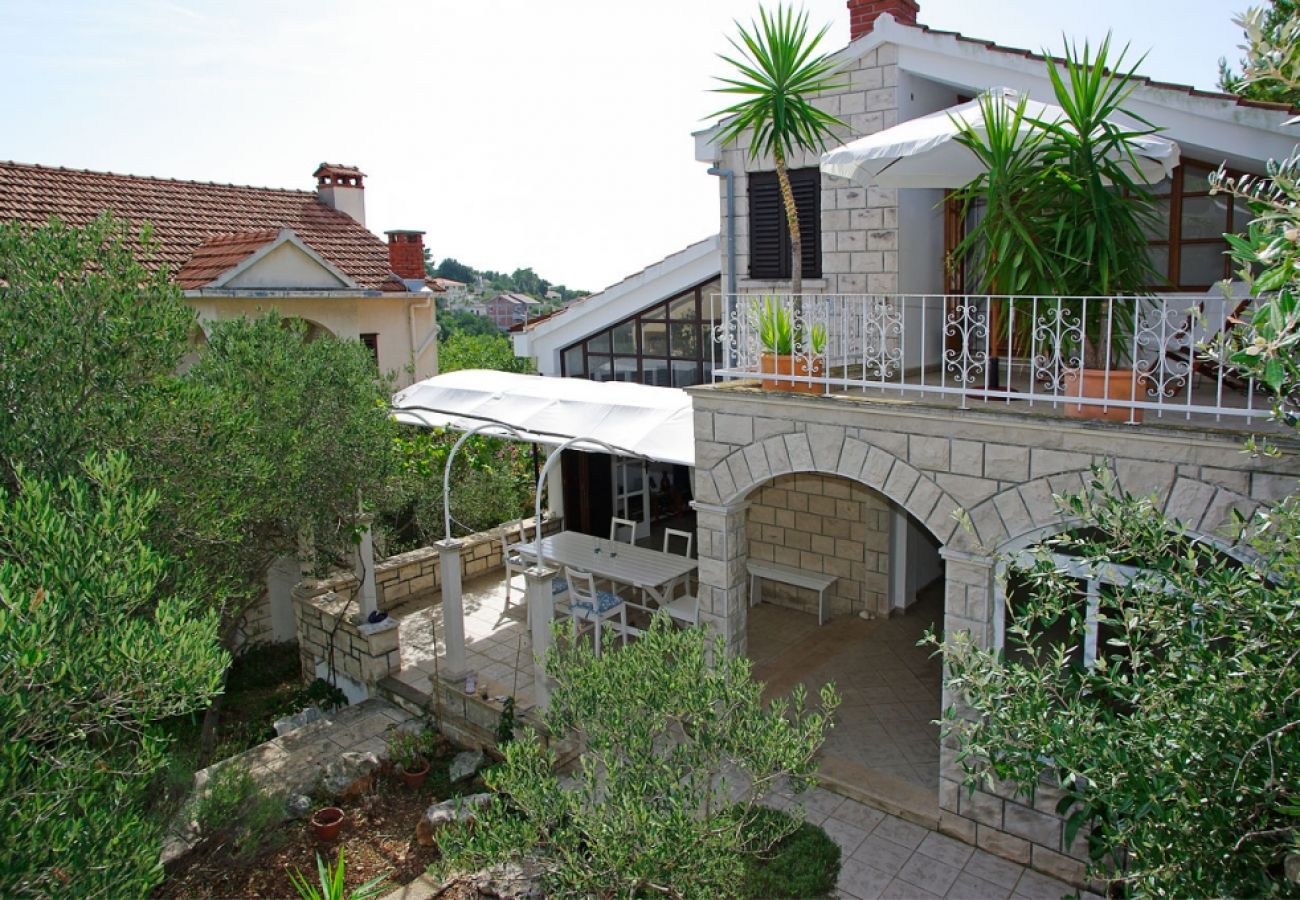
[
  {"x": 187, "y": 215},
  {"x": 221, "y": 253}
]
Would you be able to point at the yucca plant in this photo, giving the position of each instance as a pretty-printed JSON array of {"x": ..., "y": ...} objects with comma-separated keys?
[
  {"x": 332, "y": 885},
  {"x": 777, "y": 72},
  {"x": 1066, "y": 210},
  {"x": 778, "y": 334}
]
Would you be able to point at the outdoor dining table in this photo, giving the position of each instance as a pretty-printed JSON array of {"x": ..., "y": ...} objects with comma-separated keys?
[{"x": 650, "y": 571}]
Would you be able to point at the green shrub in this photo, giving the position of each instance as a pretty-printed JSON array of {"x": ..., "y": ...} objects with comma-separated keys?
[
  {"x": 804, "y": 863},
  {"x": 233, "y": 812}
]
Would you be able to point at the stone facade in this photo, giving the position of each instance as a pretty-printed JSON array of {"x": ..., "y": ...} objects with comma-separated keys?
[
  {"x": 822, "y": 523},
  {"x": 982, "y": 484},
  {"x": 859, "y": 226}
]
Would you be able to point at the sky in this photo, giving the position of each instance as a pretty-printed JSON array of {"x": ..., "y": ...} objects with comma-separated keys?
[{"x": 516, "y": 133}]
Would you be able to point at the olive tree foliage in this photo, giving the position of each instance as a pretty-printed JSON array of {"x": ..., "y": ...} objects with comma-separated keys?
[
  {"x": 678, "y": 747},
  {"x": 95, "y": 650},
  {"x": 1271, "y": 68},
  {"x": 87, "y": 331}
]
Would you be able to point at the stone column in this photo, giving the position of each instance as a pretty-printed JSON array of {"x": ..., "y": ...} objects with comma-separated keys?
[
  {"x": 453, "y": 610},
  {"x": 541, "y": 611},
  {"x": 365, "y": 569},
  {"x": 724, "y": 584}
]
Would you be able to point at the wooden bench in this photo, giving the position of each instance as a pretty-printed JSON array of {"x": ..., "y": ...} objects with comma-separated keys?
[{"x": 815, "y": 581}]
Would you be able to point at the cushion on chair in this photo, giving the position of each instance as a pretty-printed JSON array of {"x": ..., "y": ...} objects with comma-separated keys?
[
  {"x": 559, "y": 586},
  {"x": 605, "y": 601},
  {"x": 514, "y": 559}
]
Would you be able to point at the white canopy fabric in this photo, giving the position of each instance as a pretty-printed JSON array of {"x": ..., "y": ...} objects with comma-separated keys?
[
  {"x": 922, "y": 152},
  {"x": 651, "y": 422}
]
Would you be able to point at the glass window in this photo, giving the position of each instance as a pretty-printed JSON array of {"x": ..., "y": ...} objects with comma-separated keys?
[
  {"x": 1204, "y": 217},
  {"x": 685, "y": 373},
  {"x": 1159, "y": 255},
  {"x": 573, "y": 364},
  {"x": 624, "y": 338},
  {"x": 600, "y": 368},
  {"x": 625, "y": 368},
  {"x": 1201, "y": 263},
  {"x": 685, "y": 340},
  {"x": 1157, "y": 228},
  {"x": 683, "y": 307},
  {"x": 598, "y": 343},
  {"x": 655, "y": 372},
  {"x": 654, "y": 338}
]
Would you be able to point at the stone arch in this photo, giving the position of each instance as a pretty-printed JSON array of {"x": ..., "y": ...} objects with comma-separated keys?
[
  {"x": 1026, "y": 513},
  {"x": 314, "y": 329},
  {"x": 737, "y": 475}
]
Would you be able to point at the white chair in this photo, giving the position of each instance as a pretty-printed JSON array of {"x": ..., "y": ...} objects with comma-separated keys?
[
  {"x": 685, "y": 609},
  {"x": 513, "y": 562},
  {"x": 586, "y": 604},
  {"x": 680, "y": 537},
  {"x": 616, "y": 525}
]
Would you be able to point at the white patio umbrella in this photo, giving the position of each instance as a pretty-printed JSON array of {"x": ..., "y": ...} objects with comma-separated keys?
[{"x": 923, "y": 152}]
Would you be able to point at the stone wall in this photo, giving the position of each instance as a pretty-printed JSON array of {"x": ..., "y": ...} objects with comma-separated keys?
[
  {"x": 820, "y": 523},
  {"x": 859, "y": 226}
]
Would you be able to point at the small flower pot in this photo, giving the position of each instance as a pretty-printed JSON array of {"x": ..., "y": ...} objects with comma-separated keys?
[
  {"x": 787, "y": 365},
  {"x": 327, "y": 823},
  {"x": 414, "y": 776}
]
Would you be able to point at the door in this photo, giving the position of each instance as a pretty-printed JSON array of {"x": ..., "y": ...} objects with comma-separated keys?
[
  {"x": 587, "y": 495},
  {"x": 631, "y": 489}
]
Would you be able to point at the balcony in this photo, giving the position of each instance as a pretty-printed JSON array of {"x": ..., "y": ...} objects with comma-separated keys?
[{"x": 997, "y": 352}]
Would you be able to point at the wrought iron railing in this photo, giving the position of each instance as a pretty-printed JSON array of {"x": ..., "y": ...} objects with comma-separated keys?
[{"x": 1147, "y": 354}]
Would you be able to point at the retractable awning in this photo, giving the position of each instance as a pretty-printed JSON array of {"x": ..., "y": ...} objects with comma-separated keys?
[{"x": 650, "y": 422}]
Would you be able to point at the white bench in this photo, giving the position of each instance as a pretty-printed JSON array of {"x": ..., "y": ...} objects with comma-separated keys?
[{"x": 815, "y": 581}]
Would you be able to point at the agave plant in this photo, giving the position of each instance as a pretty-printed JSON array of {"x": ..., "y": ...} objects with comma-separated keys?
[
  {"x": 778, "y": 334},
  {"x": 332, "y": 885}
]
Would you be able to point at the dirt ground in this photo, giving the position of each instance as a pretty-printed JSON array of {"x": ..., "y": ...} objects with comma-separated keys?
[{"x": 377, "y": 838}]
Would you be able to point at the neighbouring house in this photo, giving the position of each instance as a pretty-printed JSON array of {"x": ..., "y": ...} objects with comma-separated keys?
[
  {"x": 510, "y": 309},
  {"x": 917, "y": 412},
  {"x": 236, "y": 250},
  {"x": 454, "y": 291},
  {"x": 654, "y": 327}
]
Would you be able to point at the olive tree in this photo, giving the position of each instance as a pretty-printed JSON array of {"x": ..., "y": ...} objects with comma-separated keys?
[{"x": 677, "y": 750}]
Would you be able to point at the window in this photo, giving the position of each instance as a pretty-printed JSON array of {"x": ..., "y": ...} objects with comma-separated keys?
[
  {"x": 667, "y": 344},
  {"x": 1187, "y": 246},
  {"x": 371, "y": 340},
  {"x": 769, "y": 236}
]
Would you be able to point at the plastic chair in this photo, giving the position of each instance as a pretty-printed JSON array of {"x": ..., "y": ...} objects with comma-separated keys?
[
  {"x": 685, "y": 609},
  {"x": 513, "y": 562},
  {"x": 671, "y": 535},
  {"x": 586, "y": 604}
]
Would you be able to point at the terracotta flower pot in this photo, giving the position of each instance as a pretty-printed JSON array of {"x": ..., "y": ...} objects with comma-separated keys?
[
  {"x": 1122, "y": 385},
  {"x": 786, "y": 364},
  {"x": 327, "y": 823},
  {"x": 414, "y": 776}
]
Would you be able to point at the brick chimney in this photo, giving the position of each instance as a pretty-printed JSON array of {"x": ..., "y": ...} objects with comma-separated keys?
[
  {"x": 863, "y": 13},
  {"x": 341, "y": 188},
  {"x": 406, "y": 254}
]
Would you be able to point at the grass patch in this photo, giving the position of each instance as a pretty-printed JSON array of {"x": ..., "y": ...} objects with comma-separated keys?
[{"x": 805, "y": 863}]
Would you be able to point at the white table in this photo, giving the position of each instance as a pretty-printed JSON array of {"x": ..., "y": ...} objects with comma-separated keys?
[{"x": 648, "y": 570}]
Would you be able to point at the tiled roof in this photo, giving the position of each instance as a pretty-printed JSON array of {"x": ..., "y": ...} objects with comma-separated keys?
[
  {"x": 188, "y": 215},
  {"x": 1150, "y": 82},
  {"x": 221, "y": 253}
]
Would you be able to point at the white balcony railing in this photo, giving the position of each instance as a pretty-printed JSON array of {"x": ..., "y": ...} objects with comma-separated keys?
[{"x": 1013, "y": 351}]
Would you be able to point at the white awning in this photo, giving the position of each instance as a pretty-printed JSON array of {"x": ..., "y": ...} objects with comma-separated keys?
[{"x": 651, "y": 422}]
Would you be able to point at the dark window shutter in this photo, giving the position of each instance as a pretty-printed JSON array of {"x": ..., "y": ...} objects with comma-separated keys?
[
  {"x": 769, "y": 238},
  {"x": 371, "y": 340}
]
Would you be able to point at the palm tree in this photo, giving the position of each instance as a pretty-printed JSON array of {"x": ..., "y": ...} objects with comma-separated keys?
[{"x": 777, "y": 70}]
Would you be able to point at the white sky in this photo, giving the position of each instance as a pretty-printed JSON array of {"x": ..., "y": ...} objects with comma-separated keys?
[{"x": 515, "y": 132}]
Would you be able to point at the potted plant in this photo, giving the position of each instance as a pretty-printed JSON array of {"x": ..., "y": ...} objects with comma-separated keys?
[
  {"x": 327, "y": 822},
  {"x": 410, "y": 752},
  {"x": 786, "y": 350},
  {"x": 1064, "y": 215}
]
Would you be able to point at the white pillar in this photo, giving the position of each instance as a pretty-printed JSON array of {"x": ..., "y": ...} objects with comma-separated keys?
[
  {"x": 898, "y": 537},
  {"x": 453, "y": 610},
  {"x": 541, "y": 611},
  {"x": 366, "y": 596}
]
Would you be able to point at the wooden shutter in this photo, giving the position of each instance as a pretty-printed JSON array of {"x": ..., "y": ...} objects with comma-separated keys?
[{"x": 769, "y": 237}]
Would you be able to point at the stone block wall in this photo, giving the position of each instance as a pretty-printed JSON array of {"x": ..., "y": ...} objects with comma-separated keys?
[
  {"x": 328, "y": 633},
  {"x": 859, "y": 226},
  {"x": 820, "y": 523}
]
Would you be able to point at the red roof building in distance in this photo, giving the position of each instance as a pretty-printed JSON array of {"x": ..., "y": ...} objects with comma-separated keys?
[{"x": 237, "y": 250}]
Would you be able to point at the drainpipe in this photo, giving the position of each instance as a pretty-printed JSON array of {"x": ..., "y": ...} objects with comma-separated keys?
[
  {"x": 429, "y": 338},
  {"x": 729, "y": 286}
]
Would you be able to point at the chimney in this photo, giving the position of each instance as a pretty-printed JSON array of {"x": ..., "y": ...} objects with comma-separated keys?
[
  {"x": 863, "y": 13},
  {"x": 406, "y": 255},
  {"x": 340, "y": 187}
]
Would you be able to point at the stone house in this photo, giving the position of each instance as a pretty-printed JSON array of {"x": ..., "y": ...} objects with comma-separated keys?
[
  {"x": 510, "y": 309},
  {"x": 917, "y": 464},
  {"x": 237, "y": 251}
]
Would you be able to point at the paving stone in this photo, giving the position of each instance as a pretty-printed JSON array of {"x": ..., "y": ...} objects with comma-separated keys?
[
  {"x": 968, "y": 887},
  {"x": 903, "y": 890},
  {"x": 929, "y": 874},
  {"x": 882, "y": 854},
  {"x": 859, "y": 814},
  {"x": 945, "y": 849},
  {"x": 907, "y": 834},
  {"x": 864, "y": 882},
  {"x": 1037, "y": 886},
  {"x": 995, "y": 869},
  {"x": 849, "y": 837}
]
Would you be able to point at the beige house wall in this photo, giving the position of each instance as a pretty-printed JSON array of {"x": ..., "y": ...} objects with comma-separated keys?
[
  {"x": 822, "y": 523},
  {"x": 345, "y": 317}
]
